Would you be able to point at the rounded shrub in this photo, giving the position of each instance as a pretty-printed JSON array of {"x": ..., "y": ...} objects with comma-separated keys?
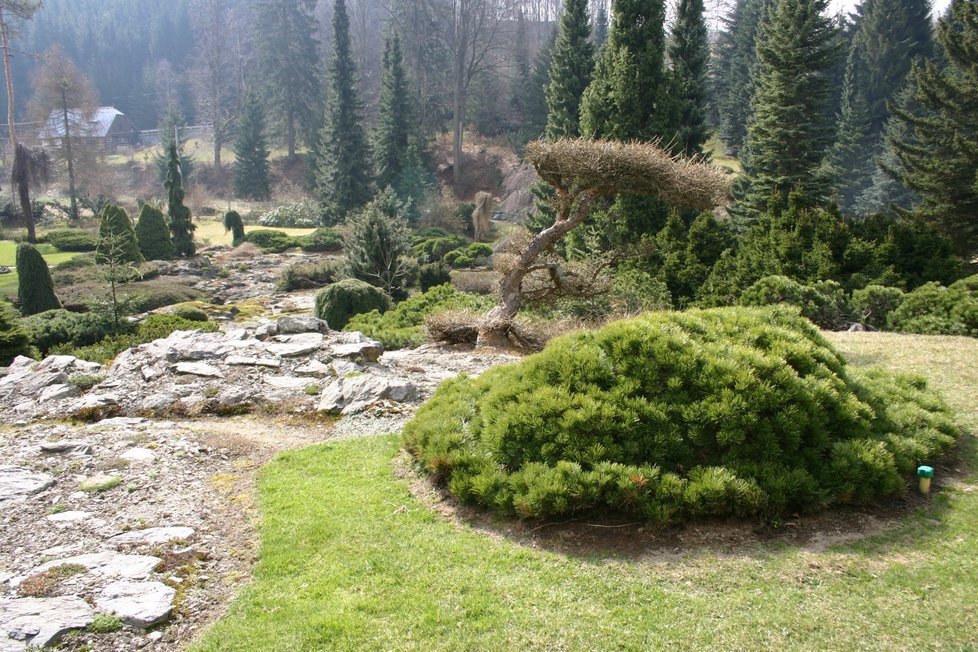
[
  {"x": 322, "y": 239},
  {"x": 933, "y": 309},
  {"x": 271, "y": 240},
  {"x": 35, "y": 290},
  {"x": 302, "y": 214},
  {"x": 70, "y": 240},
  {"x": 190, "y": 313},
  {"x": 824, "y": 302},
  {"x": 674, "y": 416},
  {"x": 432, "y": 275},
  {"x": 153, "y": 235},
  {"x": 14, "y": 338},
  {"x": 343, "y": 299},
  {"x": 53, "y": 327},
  {"x": 875, "y": 303}
]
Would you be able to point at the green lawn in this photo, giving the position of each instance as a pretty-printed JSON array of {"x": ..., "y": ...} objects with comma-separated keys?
[
  {"x": 351, "y": 561},
  {"x": 212, "y": 231},
  {"x": 8, "y": 258}
]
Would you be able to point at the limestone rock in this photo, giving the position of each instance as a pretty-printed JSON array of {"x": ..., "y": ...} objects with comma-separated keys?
[
  {"x": 293, "y": 346},
  {"x": 313, "y": 368},
  {"x": 153, "y": 536},
  {"x": 138, "y": 604},
  {"x": 41, "y": 622},
  {"x": 198, "y": 369},
  {"x": 301, "y": 324},
  {"x": 17, "y": 482},
  {"x": 353, "y": 395},
  {"x": 139, "y": 455},
  {"x": 59, "y": 391},
  {"x": 69, "y": 517},
  {"x": 286, "y": 382},
  {"x": 108, "y": 564},
  {"x": 66, "y": 446},
  {"x": 252, "y": 361}
]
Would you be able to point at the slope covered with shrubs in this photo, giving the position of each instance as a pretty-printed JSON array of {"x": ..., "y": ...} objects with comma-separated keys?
[{"x": 676, "y": 416}]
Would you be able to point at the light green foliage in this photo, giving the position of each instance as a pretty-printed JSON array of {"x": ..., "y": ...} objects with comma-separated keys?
[
  {"x": 403, "y": 327},
  {"x": 53, "y": 327},
  {"x": 933, "y": 309},
  {"x": 378, "y": 245},
  {"x": 468, "y": 256},
  {"x": 14, "y": 338},
  {"x": 190, "y": 313},
  {"x": 824, "y": 302},
  {"x": 301, "y": 214},
  {"x": 272, "y": 240},
  {"x": 322, "y": 239},
  {"x": 874, "y": 303},
  {"x": 634, "y": 291},
  {"x": 153, "y": 235},
  {"x": 344, "y": 299},
  {"x": 35, "y": 290},
  {"x": 104, "y": 623},
  {"x": 431, "y": 249},
  {"x": 676, "y": 416}
]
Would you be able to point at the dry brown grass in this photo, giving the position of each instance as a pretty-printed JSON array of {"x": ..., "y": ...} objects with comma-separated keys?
[{"x": 606, "y": 168}]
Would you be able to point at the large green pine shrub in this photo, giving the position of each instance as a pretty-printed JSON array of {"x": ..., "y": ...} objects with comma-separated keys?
[
  {"x": 153, "y": 235},
  {"x": 114, "y": 222},
  {"x": 674, "y": 416},
  {"x": 14, "y": 338},
  {"x": 344, "y": 299},
  {"x": 824, "y": 302},
  {"x": 35, "y": 290},
  {"x": 933, "y": 309}
]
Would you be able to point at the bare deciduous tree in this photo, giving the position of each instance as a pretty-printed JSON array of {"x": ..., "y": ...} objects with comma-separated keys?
[{"x": 213, "y": 79}]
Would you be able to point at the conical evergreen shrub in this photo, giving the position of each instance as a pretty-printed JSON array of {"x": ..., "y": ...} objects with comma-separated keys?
[
  {"x": 181, "y": 226},
  {"x": 674, "y": 416},
  {"x": 14, "y": 339},
  {"x": 114, "y": 222},
  {"x": 153, "y": 235},
  {"x": 35, "y": 290}
]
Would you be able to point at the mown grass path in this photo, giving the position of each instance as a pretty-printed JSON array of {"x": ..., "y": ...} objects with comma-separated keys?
[{"x": 350, "y": 560}]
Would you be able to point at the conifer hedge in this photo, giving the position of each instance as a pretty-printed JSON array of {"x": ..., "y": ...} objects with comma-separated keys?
[
  {"x": 674, "y": 416},
  {"x": 153, "y": 234}
]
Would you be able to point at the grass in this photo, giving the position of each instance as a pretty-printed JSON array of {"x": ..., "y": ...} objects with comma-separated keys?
[
  {"x": 350, "y": 560},
  {"x": 715, "y": 148},
  {"x": 212, "y": 231},
  {"x": 8, "y": 258}
]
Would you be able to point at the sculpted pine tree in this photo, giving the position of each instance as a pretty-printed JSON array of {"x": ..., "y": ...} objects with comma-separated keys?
[
  {"x": 343, "y": 176},
  {"x": 181, "y": 227},
  {"x": 35, "y": 290},
  {"x": 571, "y": 64},
  {"x": 251, "y": 153}
]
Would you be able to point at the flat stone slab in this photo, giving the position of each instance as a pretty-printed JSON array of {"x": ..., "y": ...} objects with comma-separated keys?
[
  {"x": 198, "y": 369},
  {"x": 286, "y": 382},
  {"x": 41, "y": 622},
  {"x": 70, "y": 446},
  {"x": 354, "y": 395},
  {"x": 138, "y": 604},
  {"x": 69, "y": 517},
  {"x": 153, "y": 536},
  {"x": 108, "y": 564},
  {"x": 56, "y": 392},
  {"x": 139, "y": 455},
  {"x": 293, "y": 346},
  {"x": 251, "y": 361},
  {"x": 313, "y": 368},
  {"x": 17, "y": 482}
]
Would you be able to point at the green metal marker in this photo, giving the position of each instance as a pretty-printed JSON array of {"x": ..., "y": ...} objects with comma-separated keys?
[{"x": 924, "y": 474}]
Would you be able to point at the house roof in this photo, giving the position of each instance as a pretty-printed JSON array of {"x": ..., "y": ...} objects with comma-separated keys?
[{"x": 94, "y": 125}]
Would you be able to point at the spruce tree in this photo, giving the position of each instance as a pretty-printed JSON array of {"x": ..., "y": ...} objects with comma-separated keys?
[
  {"x": 343, "y": 177},
  {"x": 378, "y": 247},
  {"x": 535, "y": 121},
  {"x": 288, "y": 59},
  {"x": 181, "y": 226},
  {"x": 571, "y": 63},
  {"x": 251, "y": 153},
  {"x": 114, "y": 222},
  {"x": 393, "y": 133},
  {"x": 35, "y": 290},
  {"x": 940, "y": 161},
  {"x": 153, "y": 235},
  {"x": 689, "y": 52},
  {"x": 787, "y": 134},
  {"x": 631, "y": 95},
  {"x": 600, "y": 33}
]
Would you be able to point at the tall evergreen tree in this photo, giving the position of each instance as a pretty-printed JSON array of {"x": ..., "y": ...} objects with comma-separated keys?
[
  {"x": 251, "y": 153},
  {"x": 181, "y": 226},
  {"x": 571, "y": 64},
  {"x": 343, "y": 176},
  {"x": 114, "y": 223},
  {"x": 393, "y": 133},
  {"x": 600, "y": 34},
  {"x": 940, "y": 161},
  {"x": 733, "y": 67},
  {"x": 788, "y": 134},
  {"x": 288, "y": 58},
  {"x": 535, "y": 121},
  {"x": 630, "y": 95},
  {"x": 35, "y": 290},
  {"x": 689, "y": 52}
]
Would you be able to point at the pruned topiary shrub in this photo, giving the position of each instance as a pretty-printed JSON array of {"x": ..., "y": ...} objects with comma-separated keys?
[
  {"x": 349, "y": 297},
  {"x": 673, "y": 416}
]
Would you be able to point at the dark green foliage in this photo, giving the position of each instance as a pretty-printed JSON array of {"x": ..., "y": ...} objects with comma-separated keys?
[
  {"x": 874, "y": 303},
  {"x": 14, "y": 338},
  {"x": 600, "y": 34},
  {"x": 35, "y": 291},
  {"x": 181, "y": 227},
  {"x": 689, "y": 52},
  {"x": 521, "y": 89},
  {"x": 824, "y": 302},
  {"x": 684, "y": 256},
  {"x": 322, "y": 239},
  {"x": 70, "y": 240},
  {"x": 432, "y": 275},
  {"x": 477, "y": 253},
  {"x": 343, "y": 180},
  {"x": 153, "y": 235},
  {"x": 403, "y": 327},
  {"x": 534, "y": 123},
  {"x": 571, "y": 63},
  {"x": 933, "y": 309},
  {"x": 114, "y": 223},
  {"x": 152, "y": 328},
  {"x": 251, "y": 153},
  {"x": 676, "y": 416},
  {"x": 940, "y": 162},
  {"x": 288, "y": 61},
  {"x": 233, "y": 223},
  {"x": 54, "y": 327},
  {"x": 392, "y": 135},
  {"x": 433, "y": 249},
  {"x": 150, "y": 295},
  {"x": 378, "y": 246},
  {"x": 190, "y": 313},
  {"x": 630, "y": 93},
  {"x": 272, "y": 240},
  {"x": 787, "y": 134},
  {"x": 305, "y": 276},
  {"x": 344, "y": 299}
]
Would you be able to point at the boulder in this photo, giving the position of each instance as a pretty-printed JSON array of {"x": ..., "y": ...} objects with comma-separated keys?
[
  {"x": 301, "y": 324},
  {"x": 355, "y": 394},
  {"x": 41, "y": 622},
  {"x": 17, "y": 482},
  {"x": 137, "y": 604},
  {"x": 293, "y": 346}
]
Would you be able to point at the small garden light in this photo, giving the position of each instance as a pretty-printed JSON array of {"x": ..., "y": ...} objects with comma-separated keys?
[{"x": 924, "y": 474}]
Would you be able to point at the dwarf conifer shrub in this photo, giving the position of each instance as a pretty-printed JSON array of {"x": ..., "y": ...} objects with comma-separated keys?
[
  {"x": 35, "y": 290},
  {"x": 824, "y": 302},
  {"x": 53, "y": 327},
  {"x": 432, "y": 275},
  {"x": 70, "y": 240},
  {"x": 114, "y": 223},
  {"x": 349, "y": 297},
  {"x": 14, "y": 339},
  {"x": 153, "y": 235},
  {"x": 271, "y": 240},
  {"x": 322, "y": 239},
  {"x": 933, "y": 309},
  {"x": 674, "y": 416},
  {"x": 874, "y": 303}
]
